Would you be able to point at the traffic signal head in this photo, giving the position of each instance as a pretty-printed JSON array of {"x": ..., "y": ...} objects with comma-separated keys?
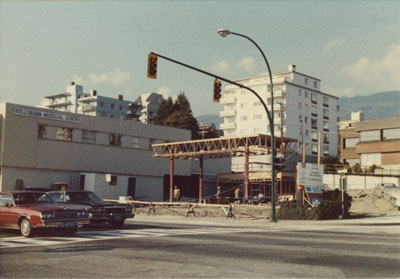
[
  {"x": 152, "y": 66},
  {"x": 217, "y": 90}
]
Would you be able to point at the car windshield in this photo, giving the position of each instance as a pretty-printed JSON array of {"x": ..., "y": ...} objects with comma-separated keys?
[
  {"x": 82, "y": 196},
  {"x": 28, "y": 198}
]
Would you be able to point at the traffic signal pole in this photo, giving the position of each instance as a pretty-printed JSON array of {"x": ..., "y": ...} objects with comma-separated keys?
[{"x": 270, "y": 117}]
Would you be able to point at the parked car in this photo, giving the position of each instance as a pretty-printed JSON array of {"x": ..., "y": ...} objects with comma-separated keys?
[
  {"x": 32, "y": 210},
  {"x": 386, "y": 185},
  {"x": 101, "y": 211}
]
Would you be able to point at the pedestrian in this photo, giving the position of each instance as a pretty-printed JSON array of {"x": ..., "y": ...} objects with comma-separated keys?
[
  {"x": 177, "y": 194},
  {"x": 237, "y": 192},
  {"x": 218, "y": 191}
]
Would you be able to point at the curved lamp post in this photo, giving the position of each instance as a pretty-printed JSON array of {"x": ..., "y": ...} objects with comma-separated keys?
[{"x": 224, "y": 33}]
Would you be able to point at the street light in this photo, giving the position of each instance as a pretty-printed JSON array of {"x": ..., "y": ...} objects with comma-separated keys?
[{"x": 223, "y": 33}]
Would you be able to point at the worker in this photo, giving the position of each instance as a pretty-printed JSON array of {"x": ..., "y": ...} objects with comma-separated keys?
[
  {"x": 237, "y": 192},
  {"x": 177, "y": 194},
  {"x": 218, "y": 191}
]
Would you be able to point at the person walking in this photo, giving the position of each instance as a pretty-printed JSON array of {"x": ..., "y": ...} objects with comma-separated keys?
[{"x": 177, "y": 194}]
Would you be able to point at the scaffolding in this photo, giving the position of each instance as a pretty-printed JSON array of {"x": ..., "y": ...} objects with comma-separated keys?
[{"x": 226, "y": 147}]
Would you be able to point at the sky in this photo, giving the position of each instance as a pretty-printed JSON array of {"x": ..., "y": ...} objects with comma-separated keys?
[{"x": 352, "y": 46}]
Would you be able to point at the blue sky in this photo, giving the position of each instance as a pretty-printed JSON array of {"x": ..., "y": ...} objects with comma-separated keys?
[{"x": 352, "y": 46}]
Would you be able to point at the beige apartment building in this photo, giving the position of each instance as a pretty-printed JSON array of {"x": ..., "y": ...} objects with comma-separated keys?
[
  {"x": 371, "y": 142},
  {"x": 112, "y": 157}
]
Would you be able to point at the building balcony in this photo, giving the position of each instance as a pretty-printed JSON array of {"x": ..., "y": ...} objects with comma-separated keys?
[
  {"x": 228, "y": 100},
  {"x": 88, "y": 108},
  {"x": 59, "y": 104},
  {"x": 56, "y": 96},
  {"x": 88, "y": 99},
  {"x": 226, "y": 113},
  {"x": 227, "y": 126}
]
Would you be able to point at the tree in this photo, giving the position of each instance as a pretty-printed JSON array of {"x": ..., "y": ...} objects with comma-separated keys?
[
  {"x": 213, "y": 132},
  {"x": 177, "y": 114},
  {"x": 331, "y": 164}
]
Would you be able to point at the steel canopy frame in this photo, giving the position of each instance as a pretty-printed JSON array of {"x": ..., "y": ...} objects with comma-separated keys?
[{"x": 259, "y": 144}]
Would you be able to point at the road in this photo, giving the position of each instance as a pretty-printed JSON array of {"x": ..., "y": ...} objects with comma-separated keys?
[{"x": 182, "y": 248}]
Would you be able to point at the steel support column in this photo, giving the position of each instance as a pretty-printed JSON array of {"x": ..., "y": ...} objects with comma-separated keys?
[
  {"x": 171, "y": 177},
  {"x": 201, "y": 179},
  {"x": 246, "y": 175}
]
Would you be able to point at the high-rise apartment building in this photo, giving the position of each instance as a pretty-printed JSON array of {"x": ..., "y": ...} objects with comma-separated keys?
[
  {"x": 301, "y": 111},
  {"x": 149, "y": 103},
  {"x": 76, "y": 101}
]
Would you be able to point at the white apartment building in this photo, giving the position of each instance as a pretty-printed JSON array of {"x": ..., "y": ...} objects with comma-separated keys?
[
  {"x": 149, "y": 103},
  {"x": 301, "y": 111},
  {"x": 76, "y": 101}
]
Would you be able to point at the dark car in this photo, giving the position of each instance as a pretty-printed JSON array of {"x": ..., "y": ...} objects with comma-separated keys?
[
  {"x": 101, "y": 211},
  {"x": 32, "y": 210}
]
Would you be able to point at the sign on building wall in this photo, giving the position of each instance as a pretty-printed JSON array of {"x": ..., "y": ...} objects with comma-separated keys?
[
  {"x": 46, "y": 114},
  {"x": 310, "y": 174}
]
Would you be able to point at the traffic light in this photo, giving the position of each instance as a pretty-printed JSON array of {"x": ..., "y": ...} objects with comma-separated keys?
[
  {"x": 217, "y": 90},
  {"x": 152, "y": 66}
]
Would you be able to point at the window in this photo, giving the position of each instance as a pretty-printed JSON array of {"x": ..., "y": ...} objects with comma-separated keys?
[
  {"x": 42, "y": 132},
  {"x": 244, "y": 105},
  {"x": 325, "y": 101},
  {"x": 300, "y": 118},
  {"x": 300, "y": 106},
  {"x": 350, "y": 142},
  {"x": 300, "y": 94},
  {"x": 337, "y": 108},
  {"x": 306, "y": 94},
  {"x": 373, "y": 135},
  {"x": 371, "y": 159},
  {"x": 103, "y": 114},
  {"x": 325, "y": 113},
  {"x": 315, "y": 84},
  {"x": 314, "y": 111},
  {"x": 307, "y": 132},
  {"x": 326, "y": 138},
  {"x": 112, "y": 105},
  {"x": 314, "y": 136},
  {"x": 389, "y": 134},
  {"x": 314, "y": 98},
  {"x": 121, "y": 107},
  {"x": 269, "y": 101},
  {"x": 277, "y": 127},
  {"x": 102, "y": 104},
  {"x": 257, "y": 116},
  {"x": 314, "y": 148},
  {"x": 326, "y": 149},
  {"x": 115, "y": 140},
  {"x": 314, "y": 124},
  {"x": 243, "y": 118},
  {"x": 306, "y": 120},
  {"x": 326, "y": 126},
  {"x": 307, "y": 107},
  {"x": 113, "y": 180},
  {"x": 64, "y": 134},
  {"x": 112, "y": 115},
  {"x": 306, "y": 81},
  {"x": 89, "y": 137}
]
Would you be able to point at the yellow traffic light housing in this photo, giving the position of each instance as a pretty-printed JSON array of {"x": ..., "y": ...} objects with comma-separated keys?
[
  {"x": 152, "y": 66},
  {"x": 217, "y": 90}
]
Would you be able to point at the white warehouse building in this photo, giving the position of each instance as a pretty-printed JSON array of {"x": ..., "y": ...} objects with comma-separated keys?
[
  {"x": 301, "y": 111},
  {"x": 40, "y": 147}
]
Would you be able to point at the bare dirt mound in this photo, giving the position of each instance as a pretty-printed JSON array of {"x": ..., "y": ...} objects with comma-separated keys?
[{"x": 374, "y": 203}]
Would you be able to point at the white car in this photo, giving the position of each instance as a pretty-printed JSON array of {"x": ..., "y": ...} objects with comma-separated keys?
[{"x": 386, "y": 185}]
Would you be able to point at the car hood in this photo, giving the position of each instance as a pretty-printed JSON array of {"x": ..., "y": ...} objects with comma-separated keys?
[
  {"x": 95, "y": 203},
  {"x": 52, "y": 206}
]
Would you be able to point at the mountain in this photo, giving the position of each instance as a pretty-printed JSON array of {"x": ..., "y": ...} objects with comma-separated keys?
[
  {"x": 380, "y": 105},
  {"x": 210, "y": 118}
]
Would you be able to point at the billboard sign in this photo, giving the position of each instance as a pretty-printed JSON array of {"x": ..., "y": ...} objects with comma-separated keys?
[{"x": 310, "y": 174}]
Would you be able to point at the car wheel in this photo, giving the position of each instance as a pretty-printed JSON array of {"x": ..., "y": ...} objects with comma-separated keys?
[
  {"x": 26, "y": 228},
  {"x": 117, "y": 224},
  {"x": 70, "y": 231}
]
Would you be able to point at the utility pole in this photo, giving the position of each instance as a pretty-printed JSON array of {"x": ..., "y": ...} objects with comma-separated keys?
[{"x": 203, "y": 126}]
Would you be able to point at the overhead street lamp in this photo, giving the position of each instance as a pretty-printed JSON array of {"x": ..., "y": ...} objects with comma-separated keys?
[{"x": 223, "y": 33}]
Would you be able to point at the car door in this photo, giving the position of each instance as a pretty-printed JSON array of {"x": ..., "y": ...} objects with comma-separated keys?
[{"x": 6, "y": 210}]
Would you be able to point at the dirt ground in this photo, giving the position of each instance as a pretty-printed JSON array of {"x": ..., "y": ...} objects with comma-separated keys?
[
  {"x": 365, "y": 202},
  {"x": 373, "y": 203}
]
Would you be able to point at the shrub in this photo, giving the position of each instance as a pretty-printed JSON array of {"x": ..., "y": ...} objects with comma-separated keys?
[{"x": 331, "y": 208}]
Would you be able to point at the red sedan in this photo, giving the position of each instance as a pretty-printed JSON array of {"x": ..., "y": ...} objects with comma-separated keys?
[{"x": 28, "y": 210}]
